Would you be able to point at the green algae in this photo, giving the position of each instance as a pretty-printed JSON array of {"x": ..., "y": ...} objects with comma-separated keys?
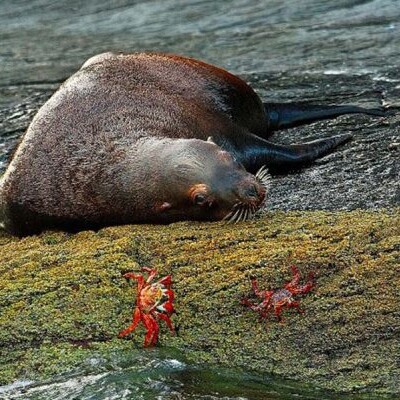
[{"x": 63, "y": 297}]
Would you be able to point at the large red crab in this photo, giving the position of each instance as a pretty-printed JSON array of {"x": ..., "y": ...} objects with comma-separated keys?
[
  {"x": 153, "y": 302},
  {"x": 277, "y": 299}
]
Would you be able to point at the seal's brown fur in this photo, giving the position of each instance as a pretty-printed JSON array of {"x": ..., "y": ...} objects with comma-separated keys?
[
  {"x": 124, "y": 139},
  {"x": 127, "y": 139}
]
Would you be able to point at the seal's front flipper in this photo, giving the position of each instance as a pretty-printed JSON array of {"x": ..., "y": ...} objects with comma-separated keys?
[
  {"x": 280, "y": 158},
  {"x": 282, "y": 116}
]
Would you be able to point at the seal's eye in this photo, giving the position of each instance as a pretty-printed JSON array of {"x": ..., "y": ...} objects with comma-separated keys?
[
  {"x": 199, "y": 199},
  {"x": 199, "y": 195}
]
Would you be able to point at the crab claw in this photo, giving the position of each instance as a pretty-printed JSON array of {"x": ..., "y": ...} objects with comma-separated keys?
[
  {"x": 166, "y": 307},
  {"x": 170, "y": 294},
  {"x": 166, "y": 281}
]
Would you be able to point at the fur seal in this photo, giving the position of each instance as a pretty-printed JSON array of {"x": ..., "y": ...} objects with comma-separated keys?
[{"x": 157, "y": 138}]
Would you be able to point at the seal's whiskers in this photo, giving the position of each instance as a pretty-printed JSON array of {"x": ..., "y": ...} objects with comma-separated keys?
[
  {"x": 263, "y": 177},
  {"x": 242, "y": 211}
]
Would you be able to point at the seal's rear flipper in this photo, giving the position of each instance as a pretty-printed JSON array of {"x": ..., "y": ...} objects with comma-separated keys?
[
  {"x": 289, "y": 115},
  {"x": 280, "y": 158}
]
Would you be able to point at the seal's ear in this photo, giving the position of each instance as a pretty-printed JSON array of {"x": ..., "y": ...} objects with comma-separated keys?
[
  {"x": 163, "y": 207},
  {"x": 211, "y": 140}
]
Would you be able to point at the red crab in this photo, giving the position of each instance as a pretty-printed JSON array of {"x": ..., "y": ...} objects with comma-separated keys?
[
  {"x": 153, "y": 302},
  {"x": 277, "y": 299}
]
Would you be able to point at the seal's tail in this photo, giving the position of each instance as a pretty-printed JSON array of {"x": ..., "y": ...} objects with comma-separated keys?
[{"x": 289, "y": 115}]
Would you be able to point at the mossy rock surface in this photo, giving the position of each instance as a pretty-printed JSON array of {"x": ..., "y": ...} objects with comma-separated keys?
[{"x": 63, "y": 297}]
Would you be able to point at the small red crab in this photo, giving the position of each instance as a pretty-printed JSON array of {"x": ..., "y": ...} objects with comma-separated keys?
[
  {"x": 153, "y": 302},
  {"x": 277, "y": 299}
]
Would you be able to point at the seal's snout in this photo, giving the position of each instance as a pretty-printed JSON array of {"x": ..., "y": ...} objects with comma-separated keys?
[
  {"x": 256, "y": 192},
  {"x": 250, "y": 196},
  {"x": 252, "y": 193}
]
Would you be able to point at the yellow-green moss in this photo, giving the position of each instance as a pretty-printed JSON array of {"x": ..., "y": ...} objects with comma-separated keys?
[{"x": 60, "y": 293}]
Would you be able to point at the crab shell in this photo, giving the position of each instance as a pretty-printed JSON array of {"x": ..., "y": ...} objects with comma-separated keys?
[
  {"x": 277, "y": 299},
  {"x": 153, "y": 302}
]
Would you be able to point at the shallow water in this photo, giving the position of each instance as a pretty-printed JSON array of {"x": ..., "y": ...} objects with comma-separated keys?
[
  {"x": 161, "y": 374},
  {"x": 286, "y": 49}
]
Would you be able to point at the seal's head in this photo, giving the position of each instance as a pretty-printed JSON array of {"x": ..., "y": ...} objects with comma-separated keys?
[{"x": 209, "y": 184}]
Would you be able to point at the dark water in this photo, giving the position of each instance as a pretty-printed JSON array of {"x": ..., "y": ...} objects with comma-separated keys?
[
  {"x": 161, "y": 374},
  {"x": 337, "y": 51}
]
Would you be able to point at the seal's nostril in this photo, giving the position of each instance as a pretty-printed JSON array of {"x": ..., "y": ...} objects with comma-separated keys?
[{"x": 252, "y": 191}]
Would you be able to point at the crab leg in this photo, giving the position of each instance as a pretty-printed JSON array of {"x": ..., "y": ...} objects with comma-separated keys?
[
  {"x": 303, "y": 289},
  {"x": 296, "y": 304},
  {"x": 278, "y": 311},
  {"x": 167, "y": 321},
  {"x": 257, "y": 291},
  {"x": 295, "y": 281},
  {"x": 131, "y": 275},
  {"x": 256, "y": 307},
  {"x": 156, "y": 330},
  {"x": 247, "y": 303},
  {"x": 152, "y": 273},
  {"x": 152, "y": 330},
  {"x": 135, "y": 321}
]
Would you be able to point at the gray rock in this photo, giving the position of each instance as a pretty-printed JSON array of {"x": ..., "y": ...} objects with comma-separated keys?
[{"x": 330, "y": 53}]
